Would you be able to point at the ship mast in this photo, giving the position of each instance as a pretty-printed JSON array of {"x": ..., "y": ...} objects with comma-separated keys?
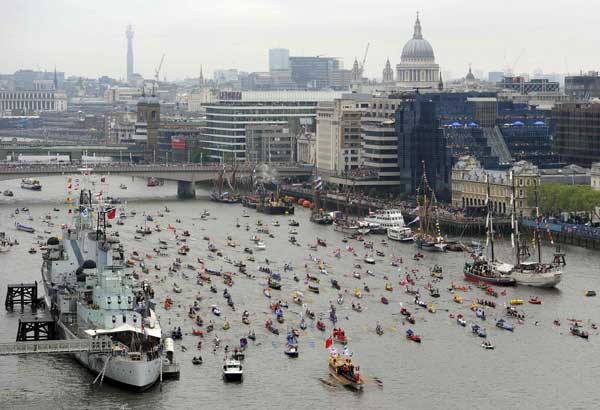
[
  {"x": 489, "y": 221},
  {"x": 537, "y": 224},
  {"x": 515, "y": 236}
]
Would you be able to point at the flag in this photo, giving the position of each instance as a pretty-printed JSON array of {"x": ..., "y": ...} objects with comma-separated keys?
[
  {"x": 85, "y": 212},
  {"x": 318, "y": 183},
  {"x": 111, "y": 213},
  {"x": 328, "y": 342}
]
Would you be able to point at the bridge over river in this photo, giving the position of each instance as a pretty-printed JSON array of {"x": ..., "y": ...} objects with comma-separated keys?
[{"x": 186, "y": 175}]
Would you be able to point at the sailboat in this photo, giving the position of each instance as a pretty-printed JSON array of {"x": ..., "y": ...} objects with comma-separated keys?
[
  {"x": 424, "y": 238},
  {"x": 489, "y": 270},
  {"x": 219, "y": 195},
  {"x": 317, "y": 215},
  {"x": 534, "y": 273}
]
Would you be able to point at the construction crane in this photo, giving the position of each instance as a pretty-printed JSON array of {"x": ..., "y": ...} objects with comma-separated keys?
[
  {"x": 364, "y": 60},
  {"x": 157, "y": 71}
]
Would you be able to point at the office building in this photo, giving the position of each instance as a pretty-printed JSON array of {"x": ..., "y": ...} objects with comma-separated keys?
[
  {"x": 417, "y": 68},
  {"x": 306, "y": 147},
  {"x": 225, "y": 132},
  {"x": 267, "y": 143},
  {"x": 577, "y": 132},
  {"x": 313, "y": 72},
  {"x": 279, "y": 59},
  {"x": 495, "y": 76},
  {"x": 523, "y": 86},
  {"x": 583, "y": 87},
  {"x": 483, "y": 110},
  {"x": 123, "y": 95},
  {"x": 470, "y": 180},
  {"x": 32, "y": 101}
]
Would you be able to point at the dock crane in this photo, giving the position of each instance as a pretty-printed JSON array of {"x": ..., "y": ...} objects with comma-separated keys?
[
  {"x": 364, "y": 60},
  {"x": 157, "y": 71}
]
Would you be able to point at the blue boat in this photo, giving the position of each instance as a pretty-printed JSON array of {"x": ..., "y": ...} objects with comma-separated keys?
[
  {"x": 24, "y": 228},
  {"x": 503, "y": 325}
]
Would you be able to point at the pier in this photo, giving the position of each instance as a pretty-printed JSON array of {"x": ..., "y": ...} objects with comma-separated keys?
[
  {"x": 100, "y": 345},
  {"x": 36, "y": 329},
  {"x": 21, "y": 294}
]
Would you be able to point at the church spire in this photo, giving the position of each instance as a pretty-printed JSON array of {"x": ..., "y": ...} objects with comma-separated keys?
[{"x": 417, "y": 34}]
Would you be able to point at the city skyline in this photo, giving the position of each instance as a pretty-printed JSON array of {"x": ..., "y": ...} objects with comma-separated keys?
[{"x": 43, "y": 35}]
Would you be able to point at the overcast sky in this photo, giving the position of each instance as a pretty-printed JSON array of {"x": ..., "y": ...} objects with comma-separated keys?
[{"x": 87, "y": 37}]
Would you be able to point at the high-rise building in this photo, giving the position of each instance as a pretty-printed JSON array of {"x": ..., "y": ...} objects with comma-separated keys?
[
  {"x": 129, "y": 35},
  {"x": 583, "y": 86},
  {"x": 226, "y": 120},
  {"x": 267, "y": 143},
  {"x": 577, "y": 132},
  {"x": 313, "y": 72},
  {"x": 417, "y": 68},
  {"x": 279, "y": 59}
]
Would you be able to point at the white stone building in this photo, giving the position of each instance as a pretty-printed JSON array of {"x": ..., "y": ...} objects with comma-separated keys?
[{"x": 417, "y": 68}]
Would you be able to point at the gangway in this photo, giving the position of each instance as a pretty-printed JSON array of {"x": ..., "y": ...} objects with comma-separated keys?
[{"x": 98, "y": 345}]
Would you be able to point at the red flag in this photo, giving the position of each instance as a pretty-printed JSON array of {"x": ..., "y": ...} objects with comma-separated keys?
[
  {"x": 328, "y": 342},
  {"x": 111, "y": 213}
]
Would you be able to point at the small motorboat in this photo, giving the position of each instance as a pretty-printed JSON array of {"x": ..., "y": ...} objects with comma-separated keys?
[
  {"x": 576, "y": 330},
  {"x": 590, "y": 293},
  {"x": 535, "y": 300},
  {"x": 357, "y": 293},
  {"x": 176, "y": 288},
  {"x": 321, "y": 325},
  {"x": 313, "y": 287},
  {"x": 379, "y": 329},
  {"x": 197, "y": 360},
  {"x": 487, "y": 345},
  {"x": 335, "y": 284},
  {"x": 369, "y": 259},
  {"x": 389, "y": 287},
  {"x": 8, "y": 192},
  {"x": 502, "y": 324},
  {"x": 267, "y": 292},
  {"x": 291, "y": 350},
  {"x": 461, "y": 321},
  {"x": 215, "y": 310},
  {"x": 384, "y": 300},
  {"x": 458, "y": 299},
  {"x": 413, "y": 336},
  {"x": 516, "y": 301}
]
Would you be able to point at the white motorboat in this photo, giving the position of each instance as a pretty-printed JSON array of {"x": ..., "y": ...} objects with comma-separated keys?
[
  {"x": 402, "y": 234},
  {"x": 232, "y": 371},
  {"x": 260, "y": 246}
]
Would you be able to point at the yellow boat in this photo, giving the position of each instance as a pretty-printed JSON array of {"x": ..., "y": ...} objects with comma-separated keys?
[
  {"x": 458, "y": 299},
  {"x": 388, "y": 286},
  {"x": 431, "y": 308},
  {"x": 226, "y": 325},
  {"x": 357, "y": 293},
  {"x": 345, "y": 371},
  {"x": 474, "y": 306},
  {"x": 516, "y": 301}
]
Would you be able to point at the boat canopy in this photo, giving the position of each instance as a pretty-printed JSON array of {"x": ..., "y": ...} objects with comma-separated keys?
[{"x": 125, "y": 327}]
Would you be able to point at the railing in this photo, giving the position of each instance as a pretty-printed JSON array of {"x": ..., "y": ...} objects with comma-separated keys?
[
  {"x": 100, "y": 345},
  {"x": 552, "y": 225}
]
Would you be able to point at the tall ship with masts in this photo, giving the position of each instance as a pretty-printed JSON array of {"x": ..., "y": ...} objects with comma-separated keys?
[
  {"x": 532, "y": 273},
  {"x": 90, "y": 296},
  {"x": 429, "y": 236},
  {"x": 489, "y": 269},
  {"x": 219, "y": 194}
]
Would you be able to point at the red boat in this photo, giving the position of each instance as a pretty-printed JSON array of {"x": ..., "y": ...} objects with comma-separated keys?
[
  {"x": 535, "y": 301},
  {"x": 404, "y": 311},
  {"x": 320, "y": 325},
  {"x": 413, "y": 336},
  {"x": 384, "y": 300},
  {"x": 339, "y": 336}
]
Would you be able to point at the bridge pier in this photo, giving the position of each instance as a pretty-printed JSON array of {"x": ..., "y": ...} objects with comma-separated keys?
[{"x": 186, "y": 189}]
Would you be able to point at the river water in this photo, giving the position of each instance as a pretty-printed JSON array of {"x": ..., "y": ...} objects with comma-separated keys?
[{"x": 539, "y": 366}]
